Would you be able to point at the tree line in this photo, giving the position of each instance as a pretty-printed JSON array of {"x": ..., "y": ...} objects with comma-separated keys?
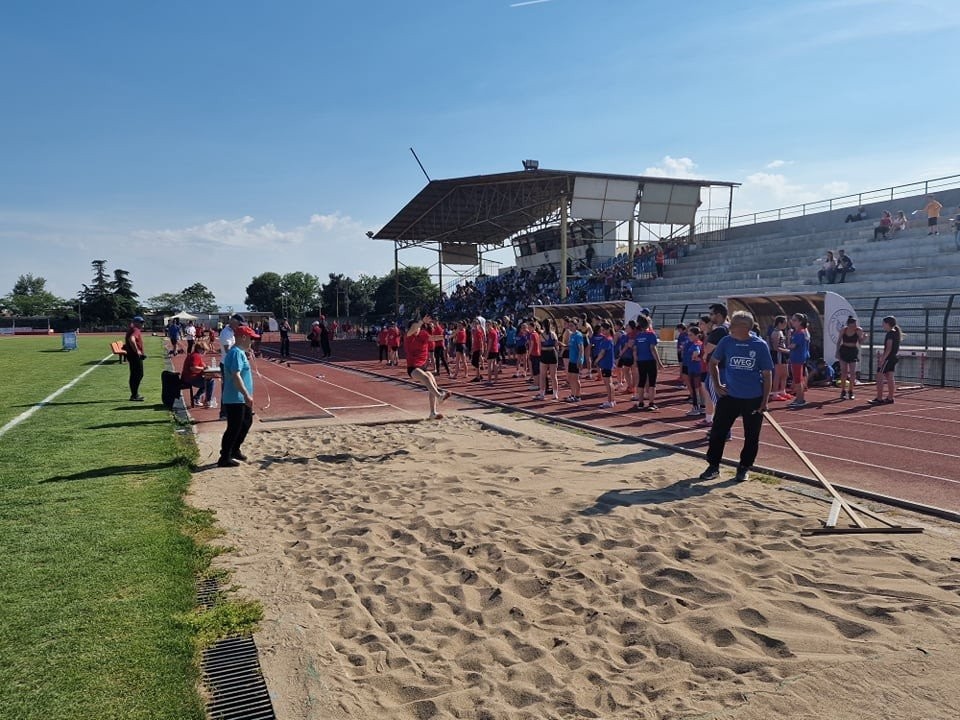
[{"x": 109, "y": 298}]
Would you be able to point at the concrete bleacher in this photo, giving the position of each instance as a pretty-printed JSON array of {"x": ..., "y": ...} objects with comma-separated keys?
[{"x": 783, "y": 257}]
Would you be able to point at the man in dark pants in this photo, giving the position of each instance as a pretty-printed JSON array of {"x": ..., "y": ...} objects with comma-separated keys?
[
  {"x": 237, "y": 397},
  {"x": 285, "y": 338},
  {"x": 133, "y": 344},
  {"x": 749, "y": 377}
]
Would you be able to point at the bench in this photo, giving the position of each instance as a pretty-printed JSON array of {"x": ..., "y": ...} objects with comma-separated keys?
[{"x": 118, "y": 350}]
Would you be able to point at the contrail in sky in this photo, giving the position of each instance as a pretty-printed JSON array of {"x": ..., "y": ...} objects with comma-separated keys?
[{"x": 528, "y": 2}]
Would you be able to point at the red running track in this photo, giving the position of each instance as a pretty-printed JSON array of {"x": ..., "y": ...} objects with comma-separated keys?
[{"x": 909, "y": 450}]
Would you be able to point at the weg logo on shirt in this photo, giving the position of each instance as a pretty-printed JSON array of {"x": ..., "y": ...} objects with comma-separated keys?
[{"x": 743, "y": 363}]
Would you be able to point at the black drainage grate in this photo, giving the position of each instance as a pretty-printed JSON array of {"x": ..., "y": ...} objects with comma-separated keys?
[{"x": 231, "y": 672}]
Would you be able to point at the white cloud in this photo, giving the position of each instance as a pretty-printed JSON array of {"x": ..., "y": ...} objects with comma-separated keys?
[
  {"x": 673, "y": 167},
  {"x": 244, "y": 232},
  {"x": 778, "y": 164},
  {"x": 836, "y": 189}
]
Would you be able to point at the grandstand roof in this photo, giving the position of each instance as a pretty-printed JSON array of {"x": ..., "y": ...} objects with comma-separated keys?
[{"x": 486, "y": 210}]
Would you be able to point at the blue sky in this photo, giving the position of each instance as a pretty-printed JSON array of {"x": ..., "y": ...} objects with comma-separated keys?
[{"x": 212, "y": 141}]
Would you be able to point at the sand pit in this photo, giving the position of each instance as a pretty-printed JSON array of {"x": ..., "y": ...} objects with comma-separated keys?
[{"x": 447, "y": 570}]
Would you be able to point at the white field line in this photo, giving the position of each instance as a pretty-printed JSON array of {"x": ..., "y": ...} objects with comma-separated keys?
[{"x": 27, "y": 413}]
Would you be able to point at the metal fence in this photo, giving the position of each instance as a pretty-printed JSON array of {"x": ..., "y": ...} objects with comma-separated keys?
[
  {"x": 921, "y": 187},
  {"x": 930, "y": 353}
]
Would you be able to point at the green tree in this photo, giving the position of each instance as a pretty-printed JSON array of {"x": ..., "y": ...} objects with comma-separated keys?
[
  {"x": 302, "y": 293},
  {"x": 125, "y": 299},
  {"x": 336, "y": 295},
  {"x": 98, "y": 301},
  {"x": 361, "y": 295},
  {"x": 417, "y": 292},
  {"x": 166, "y": 303},
  {"x": 198, "y": 299},
  {"x": 30, "y": 298},
  {"x": 264, "y": 293}
]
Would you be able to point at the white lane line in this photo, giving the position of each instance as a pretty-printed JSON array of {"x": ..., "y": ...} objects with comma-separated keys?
[
  {"x": 294, "y": 392},
  {"x": 341, "y": 387},
  {"x": 874, "y": 442},
  {"x": 899, "y": 471},
  {"x": 27, "y": 413},
  {"x": 357, "y": 407},
  {"x": 893, "y": 427}
]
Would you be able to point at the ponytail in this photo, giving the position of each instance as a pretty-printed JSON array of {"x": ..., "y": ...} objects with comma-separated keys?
[{"x": 892, "y": 322}]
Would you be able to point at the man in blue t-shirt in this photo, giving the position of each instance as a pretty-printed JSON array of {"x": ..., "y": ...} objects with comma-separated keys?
[
  {"x": 744, "y": 393},
  {"x": 237, "y": 396}
]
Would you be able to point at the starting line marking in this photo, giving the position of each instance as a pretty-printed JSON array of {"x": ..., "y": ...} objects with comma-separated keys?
[{"x": 27, "y": 413}]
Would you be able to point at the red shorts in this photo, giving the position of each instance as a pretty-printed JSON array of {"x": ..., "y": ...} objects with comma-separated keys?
[{"x": 796, "y": 369}]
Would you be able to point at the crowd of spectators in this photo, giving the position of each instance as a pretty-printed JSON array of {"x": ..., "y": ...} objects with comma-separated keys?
[{"x": 509, "y": 293}]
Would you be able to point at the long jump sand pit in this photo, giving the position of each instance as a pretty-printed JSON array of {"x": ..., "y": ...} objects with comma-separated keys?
[{"x": 451, "y": 570}]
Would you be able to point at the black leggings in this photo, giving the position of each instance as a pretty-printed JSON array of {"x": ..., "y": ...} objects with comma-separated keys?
[{"x": 440, "y": 357}]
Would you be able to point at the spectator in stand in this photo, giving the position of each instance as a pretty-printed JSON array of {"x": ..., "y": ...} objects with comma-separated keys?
[
  {"x": 861, "y": 214},
  {"x": 844, "y": 266},
  {"x": 658, "y": 261},
  {"x": 932, "y": 209},
  {"x": 828, "y": 269},
  {"x": 780, "y": 353},
  {"x": 884, "y": 226},
  {"x": 956, "y": 230},
  {"x": 900, "y": 222},
  {"x": 799, "y": 354},
  {"x": 888, "y": 361},
  {"x": 848, "y": 352}
]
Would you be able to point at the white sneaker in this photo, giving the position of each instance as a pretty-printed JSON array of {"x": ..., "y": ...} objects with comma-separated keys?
[
  {"x": 607, "y": 405},
  {"x": 212, "y": 404}
]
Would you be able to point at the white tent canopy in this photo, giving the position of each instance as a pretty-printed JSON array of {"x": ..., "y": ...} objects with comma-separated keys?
[{"x": 182, "y": 315}]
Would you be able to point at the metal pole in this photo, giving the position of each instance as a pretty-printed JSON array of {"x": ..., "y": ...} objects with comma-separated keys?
[
  {"x": 943, "y": 342},
  {"x": 396, "y": 280},
  {"x": 730, "y": 210},
  {"x": 440, "y": 266},
  {"x": 563, "y": 247},
  {"x": 630, "y": 245}
]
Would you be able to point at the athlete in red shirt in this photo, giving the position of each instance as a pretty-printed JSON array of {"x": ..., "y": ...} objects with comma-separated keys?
[
  {"x": 417, "y": 348},
  {"x": 393, "y": 344}
]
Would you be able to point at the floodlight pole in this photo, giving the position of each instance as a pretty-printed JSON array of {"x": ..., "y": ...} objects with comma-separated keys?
[
  {"x": 563, "y": 247},
  {"x": 630, "y": 243}
]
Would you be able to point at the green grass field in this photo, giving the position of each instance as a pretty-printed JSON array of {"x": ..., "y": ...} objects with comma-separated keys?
[{"x": 95, "y": 570}]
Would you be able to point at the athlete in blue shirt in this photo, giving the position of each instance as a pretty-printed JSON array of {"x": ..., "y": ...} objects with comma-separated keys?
[
  {"x": 604, "y": 360},
  {"x": 575, "y": 346},
  {"x": 744, "y": 393}
]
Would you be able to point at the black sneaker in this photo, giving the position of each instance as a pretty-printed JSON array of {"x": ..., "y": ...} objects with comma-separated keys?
[
  {"x": 888, "y": 401},
  {"x": 742, "y": 474},
  {"x": 136, "y": 398},
  {"x": 239, "y": 456},
  {"x": 227, "y": 462},
  {"x": 652, "y": 407},
  {"x": 875, "y": 401},
  {"x": 710, "y": 473}
]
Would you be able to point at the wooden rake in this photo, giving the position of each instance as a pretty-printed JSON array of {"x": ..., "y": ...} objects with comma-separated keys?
[{"x": 839, "y": 504}]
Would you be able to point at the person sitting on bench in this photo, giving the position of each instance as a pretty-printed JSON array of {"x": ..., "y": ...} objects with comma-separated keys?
[
  {"x": 192, "y": 377},
  {"x": 859, "y": 215},
  {"x": 844, "y": 265}
]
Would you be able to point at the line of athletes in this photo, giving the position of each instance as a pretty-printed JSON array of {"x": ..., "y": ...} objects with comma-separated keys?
[{"x": 623, "y": 355}]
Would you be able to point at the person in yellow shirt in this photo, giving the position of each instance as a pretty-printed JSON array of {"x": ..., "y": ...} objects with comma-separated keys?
[{"x": 933, "y": 208}]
